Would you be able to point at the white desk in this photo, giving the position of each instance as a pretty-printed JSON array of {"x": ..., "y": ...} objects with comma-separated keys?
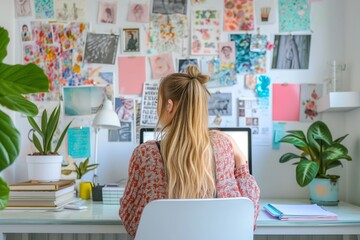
[{"x": 99, "y": 218}]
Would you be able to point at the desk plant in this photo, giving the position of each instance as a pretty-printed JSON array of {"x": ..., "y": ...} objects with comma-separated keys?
[
  {"x": 15, "y": 80},
  {"x": 81, "y": 169},
  {"x": 319, "y": 153},
  {"x": 42, "y": 138}
]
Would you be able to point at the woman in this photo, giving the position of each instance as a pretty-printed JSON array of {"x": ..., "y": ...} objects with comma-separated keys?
[
  {"x": 131, "y": 44},
  {"x": 190, "y": 161}
]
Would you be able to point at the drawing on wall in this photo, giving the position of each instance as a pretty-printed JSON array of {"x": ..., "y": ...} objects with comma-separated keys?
[
  {"x": 25, "y": 32},
  {"x": 124, "y": 134},
  {"x": 168, "y": 33},
  {"x": 107, "y": 12},
  {"x": 250, "y": 81},
  {"x": 184, "y": 62},
  {"x": 238, "y": 15},
  {"x": 265, "y": 12},
  {"x": 291, "y": 52},
  {"x": 161, "y": 65},
  {"x": 74, "y": 97},
  {"x": 258, "y": 43},
  {"x": 124, "y": 108},
  {"x": 220, "y": 103},
  {"x": 247, "y": 61},
  {"x": 169, "y": 7},
  {"x": 138, "y": 12},
  {"x": 294, "y": 17},
  {"x": 227, "y": 52},
  {"x": 22, "y": 8},
  {"x": 221, "y": 75},
  {"x": 101, "y": 48},
  {"x": 44, "y": 9},
  {"x": 70, "y": 10},
  {"x": 205, "y": 32},
  {"x": 131, "y": 40},
  {"x": 149, "y": 104},
  {"x": 309, "y": 97}
]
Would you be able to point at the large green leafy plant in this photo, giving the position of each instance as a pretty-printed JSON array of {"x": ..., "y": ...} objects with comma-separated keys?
[
  {"x": 15, "y": 80},
  {"x": 319, "y": 152},
  {"x": 42, "y": 136}
]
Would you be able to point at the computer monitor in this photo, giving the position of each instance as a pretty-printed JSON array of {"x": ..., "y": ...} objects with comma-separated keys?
[{"x": 242, "y": 137}]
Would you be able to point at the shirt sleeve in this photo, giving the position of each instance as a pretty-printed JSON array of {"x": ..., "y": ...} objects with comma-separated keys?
[
  {"x": 248, "y": 187},
  {"x": 130, "y": 204}
]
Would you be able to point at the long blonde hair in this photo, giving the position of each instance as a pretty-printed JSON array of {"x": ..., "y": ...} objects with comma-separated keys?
[{"x": 185, "y": 146}]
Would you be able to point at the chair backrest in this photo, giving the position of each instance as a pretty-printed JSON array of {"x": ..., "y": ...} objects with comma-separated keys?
[{"x": 197, "y": 219}]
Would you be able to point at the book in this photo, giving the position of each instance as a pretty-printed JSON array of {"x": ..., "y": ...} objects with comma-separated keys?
[
  {"x": 36, "y": 185},
  {"x": 41, "y": 193},
  {"x": 299, "y": 212},
  {"x": 31, "y": 202}
]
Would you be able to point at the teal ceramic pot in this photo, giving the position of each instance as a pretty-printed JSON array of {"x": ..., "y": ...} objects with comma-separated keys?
[{"x": 324, "y": 192}]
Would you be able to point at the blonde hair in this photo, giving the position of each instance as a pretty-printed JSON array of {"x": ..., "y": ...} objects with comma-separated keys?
[{"x": 185, "y": 146}]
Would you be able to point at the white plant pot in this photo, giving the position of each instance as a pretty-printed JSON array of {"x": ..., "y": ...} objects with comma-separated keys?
[{"x": 44, "y": 168}]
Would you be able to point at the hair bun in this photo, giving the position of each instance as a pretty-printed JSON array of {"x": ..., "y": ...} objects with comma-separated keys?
[{"x": 194, "y": 73}]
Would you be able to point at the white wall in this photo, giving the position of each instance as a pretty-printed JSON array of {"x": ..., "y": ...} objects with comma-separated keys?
[{"x": 329, "y": 18}]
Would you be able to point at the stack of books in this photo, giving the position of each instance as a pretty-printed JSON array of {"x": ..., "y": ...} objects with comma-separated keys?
[
  {"x": 299, "y": 212},
  {"x": 41, "y": 195}
]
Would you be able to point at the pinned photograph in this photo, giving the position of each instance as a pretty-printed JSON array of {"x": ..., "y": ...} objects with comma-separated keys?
[
  {"x": 131, "y": 40},
  {"x": 220, "y": 103},
  {"x": 291, "y": 52},
  {"x": 22, "y": 8},
  {"x": 161, "y": 65},
  {"x": 107, "y": 12},
  {"x": 25, "y": 32},
  {"x": 101, "y": 48},
  {"x": 138, "y": 12},
  {"x": 70, "y": 10},
  {"x": 184, "y": 62},
  {"x": 227, "y": 52},
  {"x": 169, "y": 7}
]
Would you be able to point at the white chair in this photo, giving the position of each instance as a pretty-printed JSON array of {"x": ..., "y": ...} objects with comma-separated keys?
[{"x": 197, "y": 219}]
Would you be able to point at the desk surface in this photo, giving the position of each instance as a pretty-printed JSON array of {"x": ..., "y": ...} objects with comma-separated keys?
[{"x": 106, "y": 216}]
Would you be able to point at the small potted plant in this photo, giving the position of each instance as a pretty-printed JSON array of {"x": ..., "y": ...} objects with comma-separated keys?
[
  {"x": 81, "y": 169},
  {"x": 45, "y": 164},
  {"x": 319, "y": 153}
]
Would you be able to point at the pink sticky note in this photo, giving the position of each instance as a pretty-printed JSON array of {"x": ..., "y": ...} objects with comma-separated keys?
[
  {"x": 286, "y": 102},
  {"x": 132, "y": 74}
]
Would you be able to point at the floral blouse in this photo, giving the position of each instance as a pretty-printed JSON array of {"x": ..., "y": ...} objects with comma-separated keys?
[{"x": 147, "y": 180}]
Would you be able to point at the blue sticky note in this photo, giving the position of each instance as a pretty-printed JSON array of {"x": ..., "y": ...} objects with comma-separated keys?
[{"x": 79, "y": 142}]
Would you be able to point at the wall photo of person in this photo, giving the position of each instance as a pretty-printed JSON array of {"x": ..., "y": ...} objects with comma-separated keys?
[
  {"x": 131, "y": 40},
  {"x": 138, "y": 12},
  {"x": 227, "y": 52},
  {"x": 107, "y": 12}
]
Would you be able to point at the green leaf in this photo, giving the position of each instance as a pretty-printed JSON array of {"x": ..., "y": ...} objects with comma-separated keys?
[
  {"x": 4, "y": 194},
  {"x": 44, "y": 121},
  {"x": 37, "y": 144},
  {"x": 334, "y": 152},
  {"x": 294, "y": 140},
  {"x": 4, "y": 41},
  {"x": 34, "y": 125},
  {"x": 61, "y": 138},
  {"x": 340, "y": 139},
  {"x": 22, "y": 79},
  {"x": 20, "y": 104},
  {"x": 318, "y": 132},
  {"x": 288, "y": 156},
  {"x": 9, "y": 141},
  {"x": 306, "y": 171},
  {"x": 51, "y": 127}
]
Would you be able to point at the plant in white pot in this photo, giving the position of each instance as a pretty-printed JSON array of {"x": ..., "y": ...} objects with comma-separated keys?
[
  {"x": 45, "y": 164},
  {"x": 15, "y": 80},
  {"x": 319, "y": 153}
]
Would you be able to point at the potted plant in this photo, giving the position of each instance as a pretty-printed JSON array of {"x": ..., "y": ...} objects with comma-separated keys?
[
  {"x": 45, "y": 164},
  {"x": 81, "y": 169},
  {"x": 15, "y": 80},
  {"x": 319, "y": 153}
]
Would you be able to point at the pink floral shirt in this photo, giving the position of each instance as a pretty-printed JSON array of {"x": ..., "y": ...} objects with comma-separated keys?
[{"x": 147, "y": 181}]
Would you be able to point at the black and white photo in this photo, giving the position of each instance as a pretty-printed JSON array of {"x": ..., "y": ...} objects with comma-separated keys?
[
  {"x": 101, "y": 48},
  {"x": 169, "y": 7}
]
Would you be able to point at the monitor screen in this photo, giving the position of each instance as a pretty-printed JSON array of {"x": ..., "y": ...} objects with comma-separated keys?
[{"x": 242, "y": 137}]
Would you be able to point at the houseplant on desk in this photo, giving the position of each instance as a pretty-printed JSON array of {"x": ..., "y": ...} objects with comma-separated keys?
[
  {"x": 319, "y": 153},
  {"x": 15, "y": 80},
  {"x": 45, "y": 164}
]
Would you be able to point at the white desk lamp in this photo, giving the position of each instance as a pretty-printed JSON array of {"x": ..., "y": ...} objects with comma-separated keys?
[{"x": 105, "y": 118}]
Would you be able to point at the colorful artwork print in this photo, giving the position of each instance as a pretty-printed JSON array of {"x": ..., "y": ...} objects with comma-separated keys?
[
  {"x": 25, "y": 32},
  {"x": 294, "y": 15},
  {"x": 169, "y": 7},
  {"x": 22, "y": 8},
  {"x": 221, "y": 75},
  {"x": 101, "y": 48},
  {"x": 265, "y": 12},
  {"x": 44, "y": 9},
  {"x": 70, "y": 10},
  {"x": 205, "y": 32},
  {"x": 162, "y": 65},
  {"x": 107, "y": 12},
  {"x": 184, "y": 62},
  {"x": 124, "y": 108},
  {"x": 138, "y": 12},
  {"x": 309, "y": 96},
  {"x": 247, "y": 62},
  {"x": 258, "y": 43},
  {"x": 291, "y": 52},
  {"x": 167, "y": 33},
  {"x": 238, "y": 15}
]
